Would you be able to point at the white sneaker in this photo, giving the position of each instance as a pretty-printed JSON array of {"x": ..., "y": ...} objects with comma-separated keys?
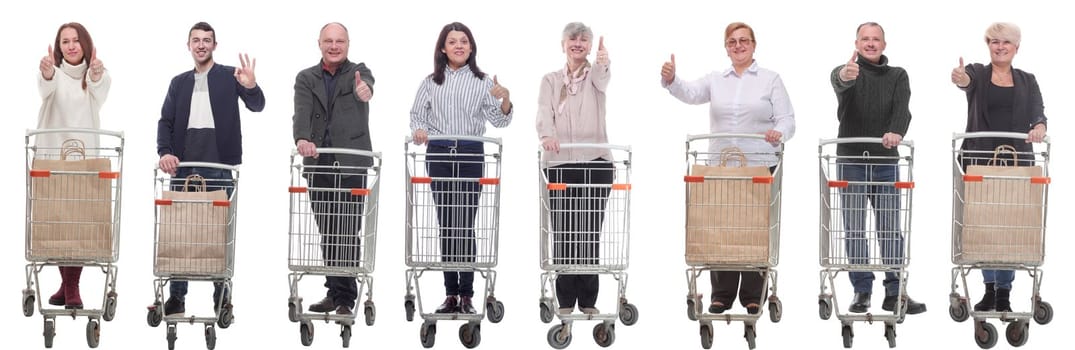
[
  {"x": 565, "y": 310},
  {"x": 590, "y": 310}
]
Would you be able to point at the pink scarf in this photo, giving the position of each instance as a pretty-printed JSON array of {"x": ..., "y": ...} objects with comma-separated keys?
[{"x": 572, "y": 83}]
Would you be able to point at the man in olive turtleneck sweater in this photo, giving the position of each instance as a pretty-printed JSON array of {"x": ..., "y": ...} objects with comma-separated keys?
[{"x": 873, "y": 102}]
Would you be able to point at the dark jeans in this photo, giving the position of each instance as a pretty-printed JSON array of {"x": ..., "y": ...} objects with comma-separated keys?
[
  {"x": 726, "y": 283},
  {"x": 457, "y": 205},
  {"x": 885, "y": 200},
  {"x": 215, "y": 180},
  {"x": 339, "y": 220},
  {"x": 577, "y": 215}
]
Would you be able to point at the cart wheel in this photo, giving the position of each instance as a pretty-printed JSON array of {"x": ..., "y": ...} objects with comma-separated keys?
[
  {"x": 985, "y": 335},
  {"x": 428, "y": 334},
  {"x": 171, "y": 336},
  {"x": 848, "y": 335},
  {"x": 49, "y": 333},
  {"x": 370, "y": 311},
  {"x": 28, "y": 302},
  {"x": 604, "y": 334},
  {"x": 409, "y": 307},
  {"x": 750, "y": 334},
  {"x": 959, "y": 311},
  {"x": 546, "y": 313},
  {"x": 306, "y": 333},
  {"x": 154, "y": 315},
  {"x": 470, "y": 334},
  {"x": 824, "y": 309},
  {"x": 294, "y": 308},
  {"x": 1042, "y": 314},
  {"x": 559, "y": 337},
  {"x": 1017, "y": 333},
  {"x": 690, "y": 310},
  {"x": 110, "y": 308},
  {"x": 776, "y": 310},
  {"x": 93, "y": 333},
  {"x": 496, "y": 311},
  {"x": 705, "y": 332},
  {"x": 345, "y": 334},
  {"x": 210, "y": 337},
  {"x": 225, "y": 318},
  {"x": 628, "y": 314},
  {"x": 890, "y": 335}
]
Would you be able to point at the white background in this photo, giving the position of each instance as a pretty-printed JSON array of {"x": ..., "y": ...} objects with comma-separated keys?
[{"x": 144, "y": 47}]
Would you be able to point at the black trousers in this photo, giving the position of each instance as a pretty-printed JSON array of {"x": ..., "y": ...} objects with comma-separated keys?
[
  {"x": 339, "y": 219},
  {"x": 577, "y": 215},
  {"x": 457, "y": 205}
]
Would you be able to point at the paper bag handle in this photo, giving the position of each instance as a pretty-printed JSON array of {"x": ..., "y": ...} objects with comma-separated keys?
[
  {"x": 732, "y": 153},
  {"x": 194, "y": 177},
  {"x": 72, "y": 146},
  {"x": 1002, "y": 149}
]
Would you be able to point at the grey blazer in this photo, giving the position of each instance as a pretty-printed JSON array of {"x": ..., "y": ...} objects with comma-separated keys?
[{"x": 346, "y": 119}]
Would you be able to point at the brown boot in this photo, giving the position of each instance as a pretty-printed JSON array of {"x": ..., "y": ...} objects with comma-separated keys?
[
  {"x": 72, "y": 275},
  {"x": 58, "y": 298}
]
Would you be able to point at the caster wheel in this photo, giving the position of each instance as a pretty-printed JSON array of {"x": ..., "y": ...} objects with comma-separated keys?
[
  {"x": 49, "y": 333},
  {"x": 171, "y": 336},
  {"x": 985, "y": 335},
  {"x": 959, "y": 311},
  {"x": 225, "y": 317},
  {"x": 848, "y": 336},
  {"x": 345, "y": 335},
  {"x": 294, "y": 309},
  {"x": 890, "y": 335},
  {"x": 705, "y": 332},
  {"x": 628, "y": 314},
  {"x": 93, "y": 333},
  {"x": 428, "y": 334},
  {"x": 495, "y": 311},
  {"x": 370, "y": 312},
  {"x": 408, "y": 306},
  {"x": 470, "y": 334},
  {"x": 28, "y": 302},
  {"x": 750, "y": 334},
  {"x": 776, "y": 310},
  {"x": 110, "y": 307},
  {"x": 210, "y": 337},
  {"x": 824, "y": 309},
  {"x": 546, "y": 313},
  {"x": 306, "y": 333},
  {"x": 604, "y": 334},
  {"x": 1043, "y": 313},
  {"x": 691, "y": 311},
  {"x": 1017, "y": 333},
  {"x": 559, "y": 337}
]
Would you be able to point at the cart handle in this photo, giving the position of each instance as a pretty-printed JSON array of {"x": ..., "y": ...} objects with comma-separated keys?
[
  {"x": 607, "y": 146},
  {"x": 32, "y": 132},
  {"x": 495, "y": 140},
  {"x": 206, "y": 165},
  {"x": 696, "y": 137},
  {"x": 337, "y": 150},
  {"x": 840, "y": 140},
  {"x": 994, "y": 134}
]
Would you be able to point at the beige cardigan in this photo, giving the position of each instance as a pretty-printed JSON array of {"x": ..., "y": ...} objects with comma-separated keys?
[{"x": 583, "y": 119}]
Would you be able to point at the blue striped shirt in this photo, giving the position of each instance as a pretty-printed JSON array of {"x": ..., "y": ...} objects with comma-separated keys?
[{"x": 460, "y": 106}]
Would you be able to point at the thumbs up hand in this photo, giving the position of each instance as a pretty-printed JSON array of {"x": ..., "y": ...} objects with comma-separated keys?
[{"x": 668, "y": 71}]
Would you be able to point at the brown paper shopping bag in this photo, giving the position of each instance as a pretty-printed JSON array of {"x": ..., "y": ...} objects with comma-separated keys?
[
  {"x": 1002, "y": 217},
  {"x": 193, "y": 232},
  {"x": 728, "y": 218},
  {"x": 71, "y": 206}
]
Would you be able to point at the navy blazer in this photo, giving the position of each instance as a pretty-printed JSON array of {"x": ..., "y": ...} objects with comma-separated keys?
[{"x": 224, "y": 92}]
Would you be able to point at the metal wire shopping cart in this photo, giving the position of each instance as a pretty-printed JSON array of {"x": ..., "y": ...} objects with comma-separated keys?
[
  {"x": 333, "y": 231},
  {"x": 732, "y": 224},
  {"x": 73, "y": 196},
  {"x": 865, "y": 225},
  {"x": 453, "y": 225},
  {"x": 1000, "y": 198},
  {"x": 585, "y": 230},
  {"x": 194, "y": 240}
]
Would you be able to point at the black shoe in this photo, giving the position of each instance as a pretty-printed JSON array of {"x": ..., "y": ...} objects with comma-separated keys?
[
  {"x": 173, "y": 306},
  {"x": 989, "y": 300},
  {"x": 343, "y": 310},
  {"x": 450, "y": 305},
  {"x": 861, "y": 303},
  {"x": 465, "y": 306},
  {"x": 753, "y": 308},
  {"x": 718, "y": 307},
  {"x": 913, "y": 307},
  {"x": 1004, "y": 303},
  {"x": 325, "y": 305}
]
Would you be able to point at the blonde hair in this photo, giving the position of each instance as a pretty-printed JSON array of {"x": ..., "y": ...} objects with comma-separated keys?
[
  {"x": 1003, "y": 31},
  {"x": 736, "y": 26}
]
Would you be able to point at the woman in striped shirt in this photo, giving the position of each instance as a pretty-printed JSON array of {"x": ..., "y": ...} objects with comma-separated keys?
[{"x": 457, "y": 99}]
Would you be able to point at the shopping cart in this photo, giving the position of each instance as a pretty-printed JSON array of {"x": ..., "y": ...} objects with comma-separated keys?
[
  {"x": 470, "y": 240},
  {"x": 865, "y": 225},
  {"x": 348, "y": 248},
  {"x": 732, "y": 223},
  {"x": 999, "y": 203},
  {"x": 601, "y": 204},
  {"x": 73, "y": 218},
  {"x": 194, "y": 240}
]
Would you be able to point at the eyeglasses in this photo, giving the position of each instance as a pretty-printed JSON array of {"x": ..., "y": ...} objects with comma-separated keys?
[{"x": 731, "y": 42}]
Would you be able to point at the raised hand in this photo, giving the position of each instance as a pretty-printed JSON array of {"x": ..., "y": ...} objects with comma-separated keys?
[
  {"x": 851, "y": 69},
  {"x": 602, "y": 53},
  {"x": 97, "y": 68},
  {"x": 362, "y": 90},
  {"x": 959, "y": 74},
  {"x": 668, "y": 71},
  {"x": 48, "y": 65},
  {"x": 499, "y": 91},
  {"x": 245, "y": 73}
]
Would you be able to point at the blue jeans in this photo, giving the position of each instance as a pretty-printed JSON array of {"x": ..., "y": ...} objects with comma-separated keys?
[
  {"x": 216, "y": 179},
  {"x": 457, "y": 205},
  {"x": 885, "y": 201},
  {"x": 1002, "y": 278}
]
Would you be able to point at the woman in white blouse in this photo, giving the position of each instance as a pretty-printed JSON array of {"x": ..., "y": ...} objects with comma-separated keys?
[
  {"x": 571, "y": 109},
  {"x": 457, "y": 99},
  {"x": 743, "y": 98},
  {"x": 73, "y": 84}
]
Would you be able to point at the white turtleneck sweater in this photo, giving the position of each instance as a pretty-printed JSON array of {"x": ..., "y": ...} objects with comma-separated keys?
[{"x": 64, "y": 104}]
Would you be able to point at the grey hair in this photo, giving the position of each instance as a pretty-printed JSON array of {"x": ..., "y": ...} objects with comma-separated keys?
[
  {"x": 1004, "y": 31},
  {"x": 574, "y": 29}
]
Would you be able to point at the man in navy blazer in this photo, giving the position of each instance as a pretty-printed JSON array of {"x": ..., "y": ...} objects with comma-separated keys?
[{"x": 200, "y": 123}]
